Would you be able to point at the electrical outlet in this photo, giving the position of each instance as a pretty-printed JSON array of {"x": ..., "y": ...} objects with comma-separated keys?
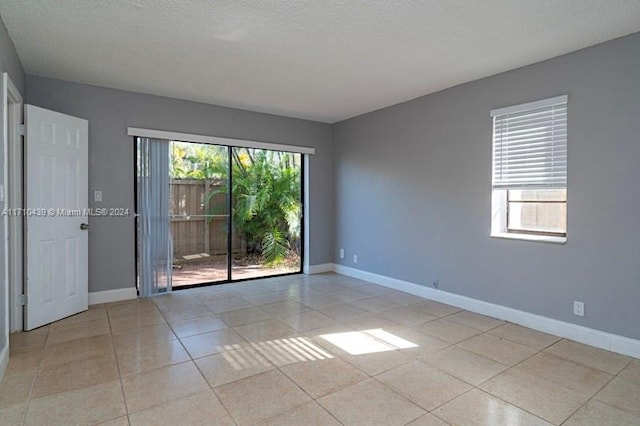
[
  {"x": 436, "y": 284},
  {"x": 97, "y": 196},
  {"x": 578, "y": 308},
  {"x": 355, "y": 258},
  {"x": 341, "y": 253}
]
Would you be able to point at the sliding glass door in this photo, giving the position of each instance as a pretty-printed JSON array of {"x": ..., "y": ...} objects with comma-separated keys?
[
  {"x": 199, "y": 211},
  {"x": 267, "y": 212},
  {"x": 234, "y": 213}
]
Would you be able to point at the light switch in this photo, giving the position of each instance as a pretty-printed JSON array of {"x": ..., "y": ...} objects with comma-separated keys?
[{"x": 97, "y": 196}]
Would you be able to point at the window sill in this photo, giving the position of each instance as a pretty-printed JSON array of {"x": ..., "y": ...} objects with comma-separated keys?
[{"x": 530, "y": 237}]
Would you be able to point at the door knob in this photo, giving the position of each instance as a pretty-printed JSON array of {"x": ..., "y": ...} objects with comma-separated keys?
[{"x": 84, "y": 226}]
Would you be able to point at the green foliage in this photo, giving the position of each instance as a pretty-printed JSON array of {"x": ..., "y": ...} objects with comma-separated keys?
[
  {"x": 266, "y": 200},
  {"x": 266, "y": 205}
]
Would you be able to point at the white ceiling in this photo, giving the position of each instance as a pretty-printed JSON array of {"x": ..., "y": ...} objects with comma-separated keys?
[{"x": 323, "y": 60}]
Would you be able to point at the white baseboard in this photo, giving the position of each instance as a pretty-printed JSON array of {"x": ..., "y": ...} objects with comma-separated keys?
[
  {"x": 4, "y": 359},
  {"x": 600, "y": 339},
  {"x": 109, "y": 296},
  {"x": 318, "y": 269}
]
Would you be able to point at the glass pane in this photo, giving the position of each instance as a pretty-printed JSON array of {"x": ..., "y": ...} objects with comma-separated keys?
[
  {"x": 548, "y": 217},
  {"x": 537, "y": 195},
  {"x": 267, "y": 203},
  {"x": 199, "y": 212}
]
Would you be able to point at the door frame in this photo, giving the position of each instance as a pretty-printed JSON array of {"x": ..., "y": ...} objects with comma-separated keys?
[{"x": 13, "y": 178}]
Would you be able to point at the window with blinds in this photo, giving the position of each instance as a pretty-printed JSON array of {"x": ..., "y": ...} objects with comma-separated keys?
[{"x": 529, "y": 176}]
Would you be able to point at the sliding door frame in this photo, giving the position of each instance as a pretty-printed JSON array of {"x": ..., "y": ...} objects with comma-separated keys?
[{"x": 259, "y": 145}]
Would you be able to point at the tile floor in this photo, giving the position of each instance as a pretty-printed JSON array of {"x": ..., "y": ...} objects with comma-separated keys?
[{"x": 308, "y": 350}]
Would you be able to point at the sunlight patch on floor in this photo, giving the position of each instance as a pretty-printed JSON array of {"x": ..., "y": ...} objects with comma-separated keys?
[{"x": 367, "y": 341}]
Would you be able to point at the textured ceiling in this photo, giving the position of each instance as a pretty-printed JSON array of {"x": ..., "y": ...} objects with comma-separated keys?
[{"x": 322, "y": 60}]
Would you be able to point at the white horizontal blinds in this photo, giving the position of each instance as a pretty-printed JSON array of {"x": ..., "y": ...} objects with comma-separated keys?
[{"x": 530, "y": 145}]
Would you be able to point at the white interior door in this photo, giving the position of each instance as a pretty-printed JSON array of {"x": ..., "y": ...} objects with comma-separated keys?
[{"x": 56, "y": 185}]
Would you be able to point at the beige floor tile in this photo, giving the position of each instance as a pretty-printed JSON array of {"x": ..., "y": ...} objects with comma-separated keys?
[
  {"x": 88, "y": 315},
  {"x": 424, "y": 385},
  {"x": 591, "y": 357},
  {"x": 80, "y": 330},
  {"x": 408, "y": 316},
  {"x": 142, "y": 336},
  {"x": 310, "y": 413},
  {"x": 427, "y": 345},
  {"x": 184, "y": 300},
  {"x": 144, "y": 390},
  {"x": 213, "y": 293},
  {"x": 129, "y": 307},
  {"x": 175, "y": 314},
  {"x": 349, "y": 295},
  {"x": 378, "y": 362},
  {"x": 319, "y": 301},
  {"x": 251, "y": 288},
  {"x": 342, "y": 311},
  {"x": 498, "y": 349},
  {"x": 595, "y": 413},
  {"x": 75, "y": 375},
  {"x": 302, "y": 293},
  {"x": 534, "y": 394},
  {"x": 524, "y": 336},
  {"x": 371, "y": 322},
  {"x": 228, "y": 304},
  {"x": 631, "y": 372},
  {"x": 150, "y": 357},
  {"x": 448, "y": 331},
  {"x": 260, "y": 397},
  {"x": 427, "y": 420},
  {"x": 319, "y": 378},
  {"x": 15, "y": 388},
  {"x": 21, "y": 360},
  {"x": 473, "y": 320},
  {"x": 266, "y": 298},
  {"x": 244, "y": 316},
  {"x": 212, "y": 343},
  {"x": 29, "y": 339},
  {"x": 308, "y": 320},
  {"x": 583, "y": 380},
  {"x": 265, "y": 330},
  {"x": 230, "y": 366},
  {"x": 199, "y": 409},
  {"x": 118, "y": 421},
  {"x": 284, "y": 308},
  {"x": 135, "y": 320},
  {"x": 197, "y": 325},
  {"x": 13, "y": 415},
  {"x": 375, "y": 304},
  {"x": 477, "y": 408},
  {"x": 369, "y": 288},
  {"x": 464, "y": 365},
  {"x": 370, "y": 403},
  {"x": 76, "y": 350},
  {"x": 402, "y": 298},
  {"x": 281, "y": 352},
  {"x": 88, "y": 405},
  {"x": 621, "y": 394},
  {"x": 435, "y": 309}
]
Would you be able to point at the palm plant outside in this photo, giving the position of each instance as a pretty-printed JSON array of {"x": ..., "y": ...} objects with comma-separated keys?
[{"x": 266, "y": 194}]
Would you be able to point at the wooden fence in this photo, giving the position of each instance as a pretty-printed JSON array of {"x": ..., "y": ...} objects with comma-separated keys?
[{"x": 196, "y": 228}]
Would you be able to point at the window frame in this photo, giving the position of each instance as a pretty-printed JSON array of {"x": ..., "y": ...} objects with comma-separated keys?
[
  {"x": 500, "y": 202},
  {"x": 532, "y": 231}
]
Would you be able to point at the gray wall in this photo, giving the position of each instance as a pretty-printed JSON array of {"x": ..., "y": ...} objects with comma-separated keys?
[
  {"x": 10, "y": 63},
  {"x": 111, "y": 240},
  {"x": 413, "y": 191}
]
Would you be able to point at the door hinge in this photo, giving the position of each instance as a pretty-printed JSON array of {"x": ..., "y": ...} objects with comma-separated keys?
[
  {"x": 21, "y": 130},
  {"x": 22, "y": 300}
]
